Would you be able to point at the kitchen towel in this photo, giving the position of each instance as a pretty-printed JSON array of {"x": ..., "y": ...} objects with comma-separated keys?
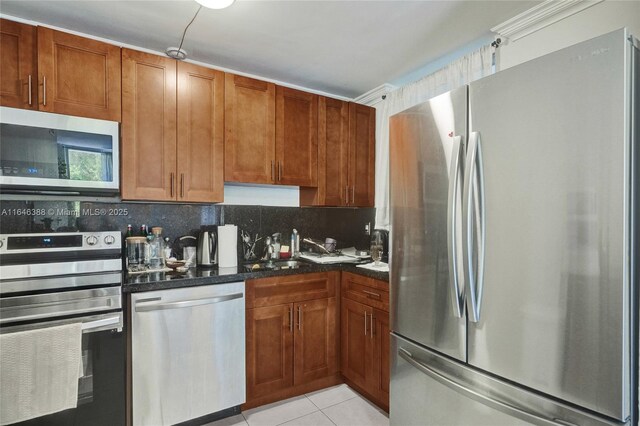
[
  {"x": 227, "y": 246},
  {"x": 39, "y": 371},
  {"x": 382, "y": 267}
]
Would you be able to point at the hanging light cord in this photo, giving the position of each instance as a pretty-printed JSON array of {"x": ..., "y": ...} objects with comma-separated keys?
[{"x": 187, "y": 27}]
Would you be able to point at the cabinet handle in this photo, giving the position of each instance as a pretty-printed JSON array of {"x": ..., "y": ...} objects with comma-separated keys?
[
  {"x": 353, "y": 195},
  {"x": 299, "y": 317},
  {"x": 30, "y": 89},
  {"x": 181, "y": 185},
  {"x": 346, "y": 195},
  {"x": 279, "y": 171},
  {"x": 171, "y": 184},
  {"x": 273, "y": 170},
  {"x": 44, "y": 90},
  {"x": 373, "y": 326},
  {"x": 371, "y": 293},
  {"x": 291, "y": 320},
  {"x": 365, "y": 323}
]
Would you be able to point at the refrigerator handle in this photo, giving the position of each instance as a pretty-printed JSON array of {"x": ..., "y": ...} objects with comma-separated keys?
[
  {"x": 503, "y": 406},
  {"x": 457, "y": 297},
  {"x": 473, "y": 207}
]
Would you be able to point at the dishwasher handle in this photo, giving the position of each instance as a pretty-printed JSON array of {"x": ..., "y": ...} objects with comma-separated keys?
[{"x": 140, "y": 307}]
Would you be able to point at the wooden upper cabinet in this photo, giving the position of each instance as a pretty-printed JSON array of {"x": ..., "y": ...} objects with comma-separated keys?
[
  {"x": 18, "y": 67},
  {"x": 296, "y": 137},
  {"x": 249, "y": 130},
  {"x": 200, "y": 161},
  {"x": 78, "y": 76},
  {"x": 362, "y": 140},
  {"x": 148, "y": 126},
  {"x": 333, "y": 155}
]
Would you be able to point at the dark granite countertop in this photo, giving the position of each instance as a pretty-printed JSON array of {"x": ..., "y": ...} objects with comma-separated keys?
[{"x": 200, "y": 276}]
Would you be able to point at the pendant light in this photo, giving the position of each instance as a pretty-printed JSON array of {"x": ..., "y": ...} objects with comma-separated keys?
[{"x": 216, "y": 4}]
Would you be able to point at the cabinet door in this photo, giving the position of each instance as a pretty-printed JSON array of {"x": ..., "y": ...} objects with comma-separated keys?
[
  {"x": 315, "y": 344},
  {"x": 78, "y": 76},
  {"x": 333, "y": 156},
  {"x": 382, "y": 340},
  {"x": 249, "y": 130},
  {"x": 296, "y": 137},
  {"x": 269, "y": 349},
  {"x": 362, "y": 141},
  {"x": 148, "y": 126},
  {"x": 200, "y": 146},
  {"x": 357, "y": 357},
  {"x": 18, "y": 76}
]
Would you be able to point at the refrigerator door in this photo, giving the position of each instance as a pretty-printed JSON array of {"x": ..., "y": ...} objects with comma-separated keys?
[
  {"x": 553, "y": 151},
  {"x": 426, "y": 162},
  {"x": 430, "y": 389}
]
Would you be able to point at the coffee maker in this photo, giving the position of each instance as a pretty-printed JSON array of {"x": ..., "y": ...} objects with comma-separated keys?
[{"x": 381, "y": 237}]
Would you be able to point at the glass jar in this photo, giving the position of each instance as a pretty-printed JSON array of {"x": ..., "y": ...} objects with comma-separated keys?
[
  {"x": 156, "y": 250},
  {"x": 137, "y": 254}
]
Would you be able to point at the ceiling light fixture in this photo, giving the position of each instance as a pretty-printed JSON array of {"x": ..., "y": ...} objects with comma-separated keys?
[{"x": 216, "y": 4}]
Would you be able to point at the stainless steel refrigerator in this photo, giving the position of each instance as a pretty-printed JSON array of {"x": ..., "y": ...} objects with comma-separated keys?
[{"x": 514, "y": 245}]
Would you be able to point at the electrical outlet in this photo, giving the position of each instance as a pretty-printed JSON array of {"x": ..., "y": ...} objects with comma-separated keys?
[{"x": 367, "y": 229}]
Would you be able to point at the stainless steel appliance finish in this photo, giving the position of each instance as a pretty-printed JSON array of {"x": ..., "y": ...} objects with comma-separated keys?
[
  {"x": 424, "y": 161},
  {"x": 544, "y": 248},
  {"x": 43, "y": 152},
  {"x": 58, "y": 278},
  {"x": 188, "y": 352},
  {"x": 207, "y": 248}
]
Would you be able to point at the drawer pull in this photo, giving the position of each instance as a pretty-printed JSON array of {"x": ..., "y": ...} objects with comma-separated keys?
[{"x": 371, "y": 293}]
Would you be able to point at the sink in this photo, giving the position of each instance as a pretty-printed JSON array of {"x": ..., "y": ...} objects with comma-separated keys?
[{"x": 275, "y": 265}]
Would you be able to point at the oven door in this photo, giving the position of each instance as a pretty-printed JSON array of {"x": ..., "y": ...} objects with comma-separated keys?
[
  {"x": 101, "y": 389},
  {"x": 43, "y": 151}
]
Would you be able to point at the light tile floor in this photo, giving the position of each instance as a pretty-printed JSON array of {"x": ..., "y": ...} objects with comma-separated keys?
[{"x": 337, "y": 405}]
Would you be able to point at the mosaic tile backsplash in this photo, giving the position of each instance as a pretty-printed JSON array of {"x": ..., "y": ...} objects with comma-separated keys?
[{"x": 346, "y": 225}]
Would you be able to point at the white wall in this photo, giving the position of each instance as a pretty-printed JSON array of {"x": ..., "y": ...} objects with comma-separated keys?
[{"x": 599, "y": 19}]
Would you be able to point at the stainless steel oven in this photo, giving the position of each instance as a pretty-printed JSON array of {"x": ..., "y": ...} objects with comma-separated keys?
[
  {"x": 59, "y": 278},
  {"x": 51, "y": 152}
]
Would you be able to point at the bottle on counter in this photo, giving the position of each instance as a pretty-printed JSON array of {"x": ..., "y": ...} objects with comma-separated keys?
[
  {"x": 167, "y": 248},
  {"x": 156, "y": 249},
  {"x": 295, "y": 243},
  {"x": 276, "y": 245},
  {"x": 129, "y": 231},
  {"x": 143, "y": 230}
]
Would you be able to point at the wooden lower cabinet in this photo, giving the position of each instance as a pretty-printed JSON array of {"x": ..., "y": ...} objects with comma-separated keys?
[
  {"x": 365, "y": 338},
  {"x": 292, "y": 348}
]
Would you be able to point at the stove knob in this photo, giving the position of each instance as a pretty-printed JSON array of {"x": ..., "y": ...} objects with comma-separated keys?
[
  {"x": 92, "y": 240},
  {"x": 109, "y": 239}
]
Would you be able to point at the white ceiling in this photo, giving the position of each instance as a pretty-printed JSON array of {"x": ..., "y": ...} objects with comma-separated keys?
[{"x": 345, "y": 48}]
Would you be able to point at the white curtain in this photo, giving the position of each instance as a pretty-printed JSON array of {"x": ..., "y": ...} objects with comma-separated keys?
[{"x": 462, "y": 71}]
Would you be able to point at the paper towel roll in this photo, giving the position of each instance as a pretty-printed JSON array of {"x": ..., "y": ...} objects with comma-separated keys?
[{"x": 227, "y": 246}]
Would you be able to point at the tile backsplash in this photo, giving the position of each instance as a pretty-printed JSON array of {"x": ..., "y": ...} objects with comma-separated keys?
[{"x": 346, "y": 225}]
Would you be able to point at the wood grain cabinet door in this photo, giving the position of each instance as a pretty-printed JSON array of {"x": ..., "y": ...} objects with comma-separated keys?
[
  {"x": 357, "y": 356},
  {"x": 78, "y": 76},
  {"x": 249, "y": 130},
  {"x": 269, "y": 341},
  {"x": 200, "y": 156},
  {"x": 296, "y": 137},
  {"x": 333, "y": 156},
  {"x": 148, "y": 127},
  {"x": 315, "y": 345},
  {"x": 18, "y": 66},
  {"x": 382, "y": 341},
  {"x": 362, "y": 129}
]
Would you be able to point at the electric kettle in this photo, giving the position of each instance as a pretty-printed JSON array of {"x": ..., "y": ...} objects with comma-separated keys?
[{"x": 207, "y": 248}]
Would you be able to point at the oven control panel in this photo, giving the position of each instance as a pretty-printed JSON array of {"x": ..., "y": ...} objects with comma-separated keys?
[{"x": 61, "y": 241}]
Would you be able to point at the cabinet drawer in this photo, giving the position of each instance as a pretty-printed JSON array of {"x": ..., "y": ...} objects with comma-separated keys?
[
  {"x": 365, "y": 290},
  {"x": 292, "y": 288}
]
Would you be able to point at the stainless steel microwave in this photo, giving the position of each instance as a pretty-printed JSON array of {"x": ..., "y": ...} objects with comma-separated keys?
[{"x": 42, "y": 152}]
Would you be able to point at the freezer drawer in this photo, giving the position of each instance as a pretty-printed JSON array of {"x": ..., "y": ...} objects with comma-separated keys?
[
  {"x": 429, "y": 389},
  {"x": 188, "y": 351}
]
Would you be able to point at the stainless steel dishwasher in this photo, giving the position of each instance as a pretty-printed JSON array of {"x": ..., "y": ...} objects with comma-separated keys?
[{"x": 188, "y": 352}]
